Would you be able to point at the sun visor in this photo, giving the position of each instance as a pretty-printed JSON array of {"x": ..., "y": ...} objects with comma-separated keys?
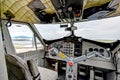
[{"x": 36, "y": 5}]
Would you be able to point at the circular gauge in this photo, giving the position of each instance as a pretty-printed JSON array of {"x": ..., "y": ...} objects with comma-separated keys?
[
  {"x": 90, "y": 49},
  {"x": 96, "y": 49},
  {"x": 101, "y": 50}
]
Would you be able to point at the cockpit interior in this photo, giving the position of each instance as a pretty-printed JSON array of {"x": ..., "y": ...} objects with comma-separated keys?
[{"x": 26, "y": 55}]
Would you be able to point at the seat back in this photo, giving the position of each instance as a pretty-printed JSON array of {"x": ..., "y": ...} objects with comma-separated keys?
[
  {"x": 17, "y": 68},
  {"x": 33, "y": 70}
]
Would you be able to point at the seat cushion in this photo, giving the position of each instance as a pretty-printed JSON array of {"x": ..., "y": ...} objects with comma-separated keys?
[{"x": 47, "y": 74}]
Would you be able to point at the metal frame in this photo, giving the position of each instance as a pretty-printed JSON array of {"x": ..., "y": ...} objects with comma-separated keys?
[
  {"x": 3, "y": 69},
  {"x": 8, "y": 45}
]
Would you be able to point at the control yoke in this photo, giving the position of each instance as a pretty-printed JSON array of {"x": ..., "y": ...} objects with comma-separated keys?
[
  {"x": 56, "y": 52},
  {"x": 71, "y": 61}
]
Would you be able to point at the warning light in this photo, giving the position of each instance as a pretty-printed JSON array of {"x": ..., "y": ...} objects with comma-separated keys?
[{"x": 70, "y": 63}]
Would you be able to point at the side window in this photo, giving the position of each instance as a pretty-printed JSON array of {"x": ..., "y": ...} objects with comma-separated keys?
[{"x": 22, "y": 38}]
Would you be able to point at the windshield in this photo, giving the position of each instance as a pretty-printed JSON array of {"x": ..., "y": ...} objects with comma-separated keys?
[
  {"x": 104, "y": 29},
  {"x": 51, "y": 31}
]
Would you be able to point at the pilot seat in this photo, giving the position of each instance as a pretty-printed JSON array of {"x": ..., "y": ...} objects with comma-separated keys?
[{"x": 18, "y": 69}]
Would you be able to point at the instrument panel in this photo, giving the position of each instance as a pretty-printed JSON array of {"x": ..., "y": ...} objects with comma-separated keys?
[
  {"x": 82, "y": 52},
  {"x": 77, "y": 46}
]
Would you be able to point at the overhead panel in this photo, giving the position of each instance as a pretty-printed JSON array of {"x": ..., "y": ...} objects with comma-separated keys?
[
  {"x": 25, "y": 10},
  {"x": 68, "y": 9}
]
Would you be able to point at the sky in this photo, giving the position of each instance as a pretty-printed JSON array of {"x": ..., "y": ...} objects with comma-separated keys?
[{"x": 104, "y": 29}]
